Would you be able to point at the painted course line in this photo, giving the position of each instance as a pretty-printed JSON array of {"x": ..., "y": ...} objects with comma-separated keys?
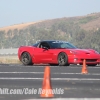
[
  {"x": 43, "y": 72},
  {"x": 21, "y": 72},
  {"x": 23, "y": 78},
  {"x": 66, "y": 99},
  {"x": 79, "y": 73}
]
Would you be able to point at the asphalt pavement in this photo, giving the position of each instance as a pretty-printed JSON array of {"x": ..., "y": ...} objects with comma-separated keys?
[{"x": 68, "y": 82}]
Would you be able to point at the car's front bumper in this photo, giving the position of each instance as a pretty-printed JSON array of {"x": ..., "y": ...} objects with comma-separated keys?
[{"x": 79, "y": 60}]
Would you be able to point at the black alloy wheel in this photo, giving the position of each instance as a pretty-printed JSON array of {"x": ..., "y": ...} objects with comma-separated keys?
[
  {"x": 26, "y": 59},
  {"x": 62, "y": 59}
]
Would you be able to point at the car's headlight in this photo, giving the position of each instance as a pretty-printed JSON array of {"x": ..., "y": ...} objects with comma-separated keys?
[{"x": 73, "y": 52}]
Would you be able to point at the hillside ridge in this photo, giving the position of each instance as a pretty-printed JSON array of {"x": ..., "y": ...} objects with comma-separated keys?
[{"x": 87, "y": 26}]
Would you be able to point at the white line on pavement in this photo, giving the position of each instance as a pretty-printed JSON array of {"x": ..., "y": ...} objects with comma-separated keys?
[
  {"x": 80, "y": 73},
  {"x": 43, "y": 72},
  {"x": 66, "y": 99},
  {"x": 22, "y": 78},
  {"x": 21, "y": 72}
]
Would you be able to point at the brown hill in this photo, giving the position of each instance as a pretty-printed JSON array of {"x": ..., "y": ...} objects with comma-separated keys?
[
  {"x": 88, "y": 22},
  {"x": 94, "y": 23},
  {"x": 17, "y": 26}
]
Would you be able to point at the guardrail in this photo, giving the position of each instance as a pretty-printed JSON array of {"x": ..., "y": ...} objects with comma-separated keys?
[{"x": 12, "y": 51}]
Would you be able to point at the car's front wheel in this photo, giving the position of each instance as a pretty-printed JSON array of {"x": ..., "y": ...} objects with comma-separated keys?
[
  {"x": 26, "y": 59},
  {"x": 62, "y": 59}
]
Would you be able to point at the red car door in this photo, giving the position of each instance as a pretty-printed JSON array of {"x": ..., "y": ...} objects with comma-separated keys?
[{"x": 42, "y": 55}]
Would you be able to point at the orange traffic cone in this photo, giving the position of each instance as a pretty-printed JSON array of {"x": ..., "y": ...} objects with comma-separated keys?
[
  {"x": 84, "y": 68},
  {"x": 46, "y": 86}
]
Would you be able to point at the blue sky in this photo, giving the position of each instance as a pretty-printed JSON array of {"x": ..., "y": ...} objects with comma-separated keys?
[{"x": 23, "y": 11}]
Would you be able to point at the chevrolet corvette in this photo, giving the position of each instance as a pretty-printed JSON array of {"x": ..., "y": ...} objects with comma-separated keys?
[{"x": 60, "y": 53}]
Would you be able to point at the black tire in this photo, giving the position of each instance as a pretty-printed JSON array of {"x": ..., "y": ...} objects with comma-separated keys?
[
  {"x": 91, "y": 64},
  {"x": 26, "y": 59},
  {"x": 63, "y": 59}
]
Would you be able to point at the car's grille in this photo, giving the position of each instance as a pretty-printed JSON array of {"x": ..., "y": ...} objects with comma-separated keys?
[{"x": 90, "y": 60}]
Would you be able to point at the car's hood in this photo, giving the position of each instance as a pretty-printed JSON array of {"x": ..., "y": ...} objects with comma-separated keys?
[{"x": 83, "y": 51}]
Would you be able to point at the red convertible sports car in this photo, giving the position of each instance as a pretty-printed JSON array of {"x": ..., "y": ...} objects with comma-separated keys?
[{"x": 60, "y": 53}]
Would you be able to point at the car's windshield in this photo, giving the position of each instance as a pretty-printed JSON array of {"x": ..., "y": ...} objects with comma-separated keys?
[
  {"x": 62, "y": 44},
  {"x": 35, "y": 45}
]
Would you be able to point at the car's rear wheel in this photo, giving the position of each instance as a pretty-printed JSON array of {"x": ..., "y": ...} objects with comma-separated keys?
[
  {"x": 62, "y": 59},
  {"x": 26, "y": 59}
]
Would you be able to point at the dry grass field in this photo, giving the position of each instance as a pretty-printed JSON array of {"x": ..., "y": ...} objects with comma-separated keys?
[{"x": 9, "y": 59}]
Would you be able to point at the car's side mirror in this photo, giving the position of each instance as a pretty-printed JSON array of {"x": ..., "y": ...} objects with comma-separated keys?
[{"x": 45, "y": 48}]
